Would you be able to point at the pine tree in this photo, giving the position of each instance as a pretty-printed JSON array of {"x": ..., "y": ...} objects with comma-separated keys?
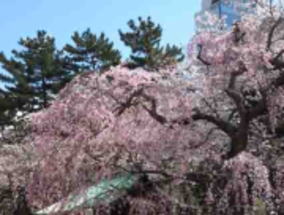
[
  {"x": 91, "y": 52},
  {"x": 35, "y": 73},
  {"x": 144, "y": 40}
]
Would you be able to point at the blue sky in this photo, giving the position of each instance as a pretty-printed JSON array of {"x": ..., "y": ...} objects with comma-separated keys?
[{"x": 60, "y": 18}]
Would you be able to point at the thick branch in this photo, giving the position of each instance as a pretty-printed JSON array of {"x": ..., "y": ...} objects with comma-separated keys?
[
  {"x": 221, "y": 124},
  {"x": 153, "y": 111},
  {"x": 257, "y": 110},
  {"x": 199, "y": 56},
  {"x": 271, "y": 33},
  {"x": 128, "y": 103},
  {"x": 233, "y": 94},
  {"x": 239, "y": 139}
]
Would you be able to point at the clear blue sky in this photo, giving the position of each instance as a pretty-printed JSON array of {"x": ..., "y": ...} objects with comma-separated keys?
[{"x": 60, "y": 18}]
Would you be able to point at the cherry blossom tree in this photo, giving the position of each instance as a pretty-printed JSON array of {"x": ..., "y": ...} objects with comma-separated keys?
[
  {"x": 243, "y": 74},
  {"x": 208, "y": 145}
]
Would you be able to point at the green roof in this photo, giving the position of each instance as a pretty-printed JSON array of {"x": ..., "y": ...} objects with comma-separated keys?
[{"x": 106, "y": 191}]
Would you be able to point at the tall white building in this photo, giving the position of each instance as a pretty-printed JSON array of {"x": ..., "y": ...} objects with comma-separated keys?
[{"x": 217, "y": 15}]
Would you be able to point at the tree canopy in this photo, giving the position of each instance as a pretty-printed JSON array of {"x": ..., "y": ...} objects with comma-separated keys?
[
  {"x": 91, "y": 52},
  {"x": 144, "y": 40}
]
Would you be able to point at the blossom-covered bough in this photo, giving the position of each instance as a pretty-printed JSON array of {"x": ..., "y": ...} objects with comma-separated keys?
[{"x": 211, "y": 144}]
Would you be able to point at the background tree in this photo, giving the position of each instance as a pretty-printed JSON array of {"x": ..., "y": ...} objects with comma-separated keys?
[
  {"x": 91, "y": 52},
  {"x": 144, "y": 39},
  {"x": 35, "y": 73}
]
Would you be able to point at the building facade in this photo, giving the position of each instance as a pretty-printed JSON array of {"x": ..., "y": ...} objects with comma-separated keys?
[{"x": 217, "y": 15}]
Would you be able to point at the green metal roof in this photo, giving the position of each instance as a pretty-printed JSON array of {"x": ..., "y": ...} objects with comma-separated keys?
[{"x": 106, "y": 191}]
